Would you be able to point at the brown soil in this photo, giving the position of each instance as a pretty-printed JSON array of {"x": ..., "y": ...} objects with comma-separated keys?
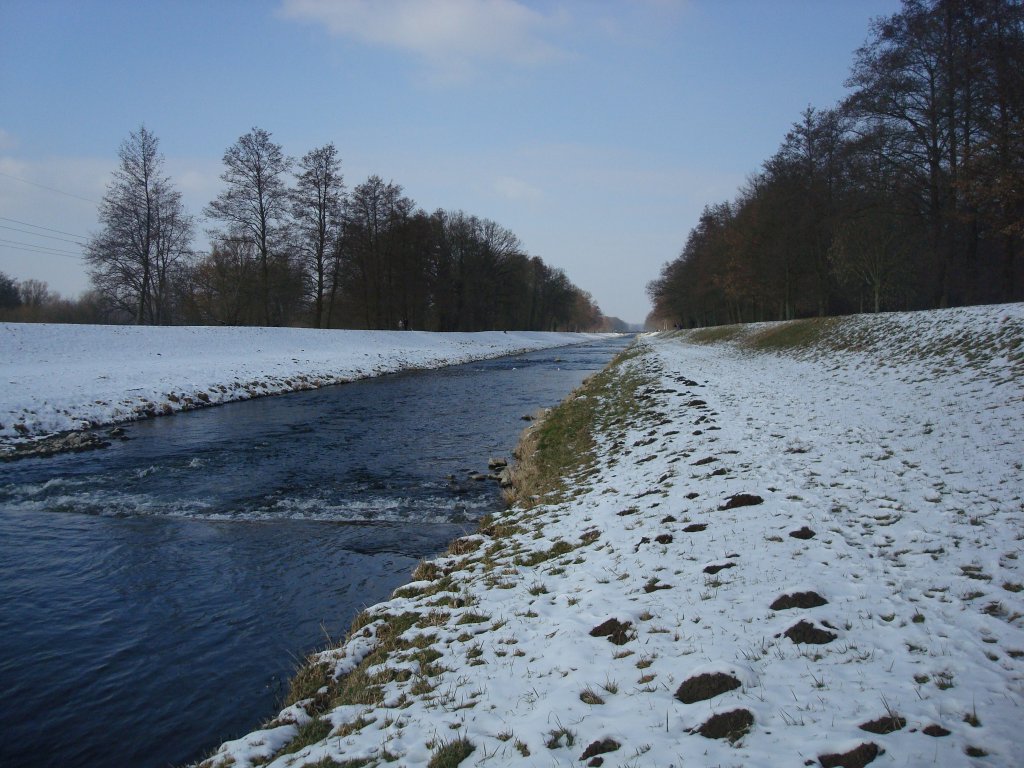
[
  {"x": 855, "y": 758},
  {"x": 798, "y": 600},
  {"x": 732, "y": 725},
  {"x": 885, "y": 724},
  {"x": 706, "y": 686},
  {"x": 805, "y": 632},
  {"x": 695, "y": 527},
  {"x": 654, "y": 585},
  {"x": 616, "y": 631},
  {"x": 600, "y": 747},
  {"x": 741, "y": 500},
  {"x": 712, "y": 569},
  {"x": 935, "y": 730},
  {"x": 803, "y": 533}
]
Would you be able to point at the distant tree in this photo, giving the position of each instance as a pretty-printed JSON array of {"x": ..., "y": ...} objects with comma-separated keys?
[
  {"x": 316, "y": 204},
  {"x": 34, "y": 293},
  {"x": 145, "y": 234},
  {"x": 10, "y": 298},
  {"x": 223, "y": 287},
  {"x": 255, "y": 204},
  {"x": 868, "y": 253},
  {"x": 375, "y": 217}
]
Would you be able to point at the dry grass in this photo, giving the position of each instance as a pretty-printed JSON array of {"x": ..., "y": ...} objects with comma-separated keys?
[{"x": 556, "y": 452}]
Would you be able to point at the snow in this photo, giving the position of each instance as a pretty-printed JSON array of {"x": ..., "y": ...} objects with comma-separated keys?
[
  {"x": 898, "y": 440},
  {"x": 66, "y": 377}
]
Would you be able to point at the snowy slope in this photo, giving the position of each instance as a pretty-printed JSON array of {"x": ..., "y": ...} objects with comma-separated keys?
[
  {"x": 885, "y": 479},
  {"x": 64, "y": 377}
]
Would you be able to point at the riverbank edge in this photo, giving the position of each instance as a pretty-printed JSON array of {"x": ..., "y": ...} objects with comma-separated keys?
[
  {"x": 99, "y": 433},
  {"x": 552, "y": 460},
  {"x": 578, "y": 556}
]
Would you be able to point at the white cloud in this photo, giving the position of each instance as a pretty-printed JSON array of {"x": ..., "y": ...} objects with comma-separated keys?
[
  {"x": 517, "y": 190},
  {"x": 8, "y": 141},
  {"x": 453, "y": 36}
]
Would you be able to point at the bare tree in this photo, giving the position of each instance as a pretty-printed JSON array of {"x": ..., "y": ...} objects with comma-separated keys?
[
  {"x": 34, "y": 293},
  {"x": 317, "y": 210},
  {"x": 146, "y": 232},
  {"x": 254, "y": 204}
]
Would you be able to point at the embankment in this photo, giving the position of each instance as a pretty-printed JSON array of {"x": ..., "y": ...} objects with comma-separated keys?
[{"x": 789, "y": 543}]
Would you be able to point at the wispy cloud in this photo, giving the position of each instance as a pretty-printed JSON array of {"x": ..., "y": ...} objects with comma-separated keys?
[
  {"x": 453, "y": 37},
  {"x": 517, "y": 190},
  {"x": 8, "y": 141}
]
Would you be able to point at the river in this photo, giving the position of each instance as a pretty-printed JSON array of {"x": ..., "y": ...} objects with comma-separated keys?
[{"x": 155, "y": 596}]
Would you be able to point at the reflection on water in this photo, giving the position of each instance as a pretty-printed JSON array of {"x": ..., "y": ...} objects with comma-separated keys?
[{"x": 155, "y": 596}]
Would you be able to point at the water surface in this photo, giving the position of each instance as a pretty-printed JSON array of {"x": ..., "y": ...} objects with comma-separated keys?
[{"x": 155, "y": 596}]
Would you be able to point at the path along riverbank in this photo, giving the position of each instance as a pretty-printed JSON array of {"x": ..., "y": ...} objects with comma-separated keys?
[{"x": 778, "y": 544}]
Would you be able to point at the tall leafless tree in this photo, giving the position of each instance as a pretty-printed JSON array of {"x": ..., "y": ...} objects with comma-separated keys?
[
  {"x": 146, "y": 234},
  {"x": 254, "y": 204},
  {"x": 316, "y": 210}
]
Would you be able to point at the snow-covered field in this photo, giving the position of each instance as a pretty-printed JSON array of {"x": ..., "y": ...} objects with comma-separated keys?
[
  {"x": 813, "y": 555},
  {"x": 64, "y": 377}
]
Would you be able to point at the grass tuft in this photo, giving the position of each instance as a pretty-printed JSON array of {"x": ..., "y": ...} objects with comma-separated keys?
[{"x": 451, "y": 753}]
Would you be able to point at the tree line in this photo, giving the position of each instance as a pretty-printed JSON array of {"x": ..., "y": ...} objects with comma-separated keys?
[
  {"x": 909, "y": 194},
  {"x": 291, "y": 245}
]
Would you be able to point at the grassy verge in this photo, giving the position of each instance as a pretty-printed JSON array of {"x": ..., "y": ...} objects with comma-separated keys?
[
  {"x": 926, "y": 336},
  {"x": 793, "y": 334},
  {"x": 558, "y": 452}
]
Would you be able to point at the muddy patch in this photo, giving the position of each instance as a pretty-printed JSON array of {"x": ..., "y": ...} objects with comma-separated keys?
[
  {"x": 805, "y": 632},
  {"x": 713, "y": 569},
  {"x": 602, "y": 747},
  {"x": 803, "y": 533},
  {"x": 617, "y": 632},
  {"x": 706, "y": 686},
  {"x": 887, "y": 723},
  {"x": 855, "y": 758},
  {"x": 798, "y": 600},
  {"x": 741, "y": 500},
  {"x": 732, "y": 725}
]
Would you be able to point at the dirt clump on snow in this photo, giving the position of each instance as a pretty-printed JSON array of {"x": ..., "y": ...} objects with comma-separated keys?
[
  {"x": 798, "y": 600},
  {"x": 805, "y": 632},
  {"x": 732, "y": 725},
  {"x": 713, "y": 569},
  {"x": 887, "y": 723},
  {"x": 741, "y": 500},
  {"x": 803, "y": 533},
  {"x": 855, "y": 758},
  {"x": 617, "y": 632},
  {"x": 706, "y": 686},
  {"x": 600, "y": 748}
]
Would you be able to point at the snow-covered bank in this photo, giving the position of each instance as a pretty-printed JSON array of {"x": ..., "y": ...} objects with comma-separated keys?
[
  {"x": 776, "y": 559},
  {"x": 65, "y": 377}
]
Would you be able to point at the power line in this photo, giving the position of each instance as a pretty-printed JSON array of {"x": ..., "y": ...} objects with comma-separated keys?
[
  {"x": 38, "y": 226},
  {"x": 51, "y": 189},
  {"x": 40, "y": 234},
  {"x": 38, "y": 248}
]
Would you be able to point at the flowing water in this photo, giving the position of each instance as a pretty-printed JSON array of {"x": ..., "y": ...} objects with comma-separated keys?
[{"x": 155, "y": 596}]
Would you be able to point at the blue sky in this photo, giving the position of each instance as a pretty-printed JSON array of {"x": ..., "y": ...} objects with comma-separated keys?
[{"x": 596, "y": 130}]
